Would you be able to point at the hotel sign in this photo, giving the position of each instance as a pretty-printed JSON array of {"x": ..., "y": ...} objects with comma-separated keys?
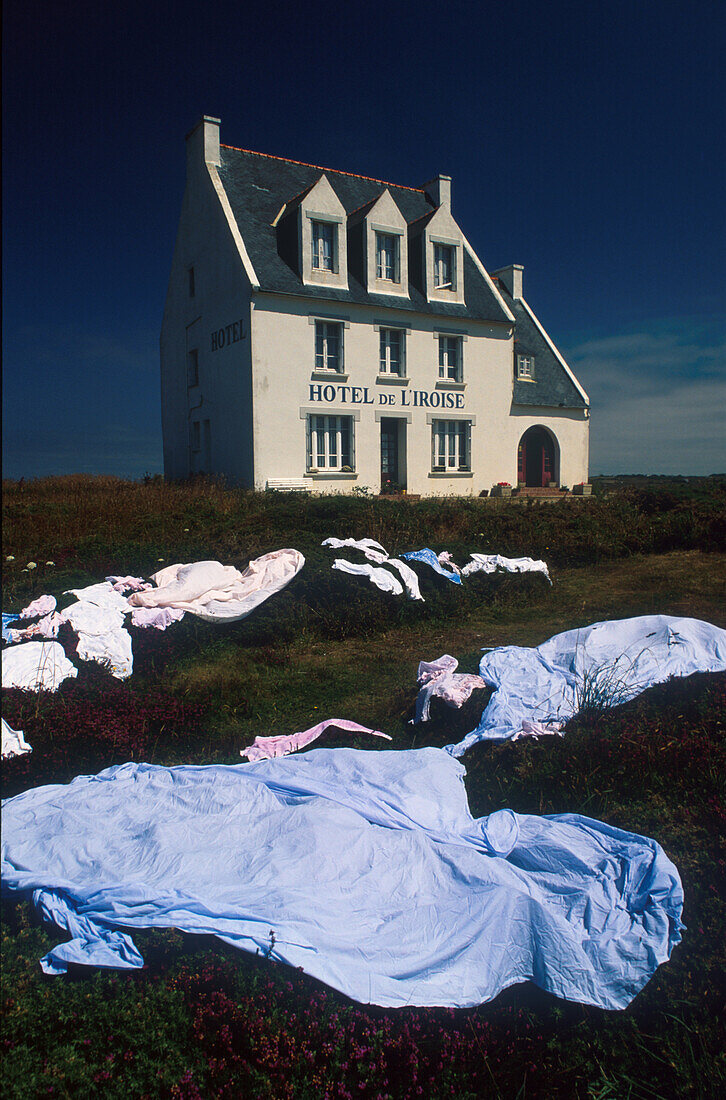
[{"x": 406, "y": 399}]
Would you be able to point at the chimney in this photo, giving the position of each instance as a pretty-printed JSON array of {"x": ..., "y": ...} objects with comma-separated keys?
[
  {"x": 512, "y": 278},
  {"x": 439, "y": 191},
  {"x": 203, "y": 141}
]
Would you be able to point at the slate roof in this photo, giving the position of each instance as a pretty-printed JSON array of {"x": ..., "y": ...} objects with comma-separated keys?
[
  {"x": 553, "y": 386},
  {"x": 257, "y": 185}
]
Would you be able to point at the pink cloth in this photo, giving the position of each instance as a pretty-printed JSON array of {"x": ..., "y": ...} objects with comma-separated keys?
[
  {"x": 220, "y": 593},
  {"x": 47, "y": 627},
  {"x": 158, "y": 617},
  {"x": 438, "y": 678},
  {"x": 446, "y": 559},
  {"x": 263, "y": 748},
  {"x": 129, "y": 584},
  {"x": 42, "y": 606}
]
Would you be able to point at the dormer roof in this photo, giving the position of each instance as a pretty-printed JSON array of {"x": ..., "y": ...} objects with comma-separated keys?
[{"x": 259, "y": 185}]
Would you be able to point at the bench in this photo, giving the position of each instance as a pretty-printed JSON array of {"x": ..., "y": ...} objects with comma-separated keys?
[{"x": 288, "y": 484}]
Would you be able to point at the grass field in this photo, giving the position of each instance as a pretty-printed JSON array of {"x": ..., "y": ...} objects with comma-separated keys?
[{"x": 201, "y": 1020}]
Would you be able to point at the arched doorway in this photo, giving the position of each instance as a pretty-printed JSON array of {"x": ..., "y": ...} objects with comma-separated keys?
[{"x": 536, "y": 458}]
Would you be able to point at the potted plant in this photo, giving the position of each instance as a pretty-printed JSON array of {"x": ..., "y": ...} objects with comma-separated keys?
[
  {"x": 502, "y": 489},
  {"x": 582, "y": 489}
]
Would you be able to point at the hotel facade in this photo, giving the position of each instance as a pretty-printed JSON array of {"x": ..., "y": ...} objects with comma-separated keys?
[{"x": 328, "y": 331}]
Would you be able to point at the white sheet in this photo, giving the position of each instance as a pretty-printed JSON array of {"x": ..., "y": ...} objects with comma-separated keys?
[
  {"x": 490, "y": 563},
  {"x": 101, "y": 635},
  {"x": 607, "y": 663},
  {"x": 36, "y": 665},
  {"x": 380, "y": 577},
  {"x": 13, "y": 741},
  {"x": 220, "y": 593}
]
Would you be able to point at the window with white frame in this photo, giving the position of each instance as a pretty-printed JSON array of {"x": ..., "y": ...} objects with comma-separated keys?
[
  {"x": 330, "y": 443},
  {"x": 444, "y": 267},
  {"x": 328, "y": 346},
  {"x": 324, "y": 242},
  {"x": 450, "y": 358},
  {"x": 525, "y": 367},
  {"x": 392, "y": 357},
  {"x": 388, "y": 265},
  {"x": 451, "y": 445},
  {"x": 193, "y": 368}
]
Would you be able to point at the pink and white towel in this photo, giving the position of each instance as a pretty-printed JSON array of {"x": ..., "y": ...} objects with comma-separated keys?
[{"x": 263, "y": 748}]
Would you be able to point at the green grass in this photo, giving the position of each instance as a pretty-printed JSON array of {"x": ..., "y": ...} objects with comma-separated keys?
[{"x": 203, "y": 1020}]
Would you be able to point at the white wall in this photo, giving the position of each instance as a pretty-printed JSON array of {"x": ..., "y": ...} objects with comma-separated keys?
[
  {"x": 283, "y": 371},
  {"x": 221, "y": 299}
]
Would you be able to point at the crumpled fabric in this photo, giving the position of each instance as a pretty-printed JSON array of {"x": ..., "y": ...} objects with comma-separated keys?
[
  {"x": 220, "y": 593},
  {"x": 367, "y": 867},
  {"x": 380, "y": 577},
  {"x": 43, "y": 605},
  {"x": 101, "y": 635},
  {"x": 600, "y": 665},
  {"x": 102, "y": 595},
  {"x": 446, "y": 559},
  {"x": 428, "y": 557},
  {"x": 7, "y": 620},
  {"x": 265, "y": 748},
  {"x": 13, "y": 741},
  {"x": 158, "y": 617},
  {"x": 35, "y": 666},
  {"x": 376, "y": 553},
  {"x": 439, "y": 678},
  {"x": 47, "y": 627},
  {"x": 490, "y": 563},
  {"x": 372, "y": 549},
  {"x": 129, "y": 584}
]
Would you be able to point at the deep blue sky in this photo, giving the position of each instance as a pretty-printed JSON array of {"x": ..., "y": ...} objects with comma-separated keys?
[{"x": 585, "y": 141}]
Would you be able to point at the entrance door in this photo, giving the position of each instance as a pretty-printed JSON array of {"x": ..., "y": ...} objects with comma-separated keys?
[
  {"x": 392, "y": 468},
  {"x": 536, "y": 458}
]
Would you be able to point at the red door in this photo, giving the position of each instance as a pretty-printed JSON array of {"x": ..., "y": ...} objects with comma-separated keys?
[{"x": 536, "y": 458}]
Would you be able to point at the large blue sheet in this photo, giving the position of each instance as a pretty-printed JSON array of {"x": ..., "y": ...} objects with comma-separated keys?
[
  {"x": 367, "y": 866},
  {"x": 601, "y": 665}
]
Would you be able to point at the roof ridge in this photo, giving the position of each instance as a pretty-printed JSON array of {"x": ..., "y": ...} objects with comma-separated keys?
[{"x": 340, "y": 171}]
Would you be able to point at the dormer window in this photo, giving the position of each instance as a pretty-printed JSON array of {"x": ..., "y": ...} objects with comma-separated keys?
[
  {"x": 443, "y": 267},
  {"x": 525, "y": 368},
  {"x": 324, "y": 243},
  {"x": 388, "y": 265}
]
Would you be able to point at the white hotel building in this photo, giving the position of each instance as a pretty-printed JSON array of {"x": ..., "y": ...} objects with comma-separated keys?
[{"x": 328, "y": 330}]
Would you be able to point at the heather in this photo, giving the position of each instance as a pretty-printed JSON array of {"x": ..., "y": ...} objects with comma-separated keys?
[{"x": 202, "y": 1020}]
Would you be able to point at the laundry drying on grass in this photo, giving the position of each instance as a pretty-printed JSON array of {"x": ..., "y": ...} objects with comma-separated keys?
[
  {"x": 365, "y": 869},
  {"x": 36, "y": 666},
  {"x": 13, "y": 741},
  {"x": 381, "y": 578},
  {"x": 97, "y": 617},
  {"x": 374, "y": 552},
  {"x": 598, "y": 666},
  {"x": 493, "y": 563},
  {"x": 428, "y": 557},
  {"x": 129, "y": 584},
  {"x": 372, "y": 549},
  {"x": 157, "y": 617},
  {"x": 208, "y": 589},
  {"x": 440, "y": 679},
  {"x": 43, "y": 605},
  {"x": 220, "y": 593},
  {"x": 265, "y": 748},
  {"x": 7, "y": 620},
  {"x": 46, "y": 627}
]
